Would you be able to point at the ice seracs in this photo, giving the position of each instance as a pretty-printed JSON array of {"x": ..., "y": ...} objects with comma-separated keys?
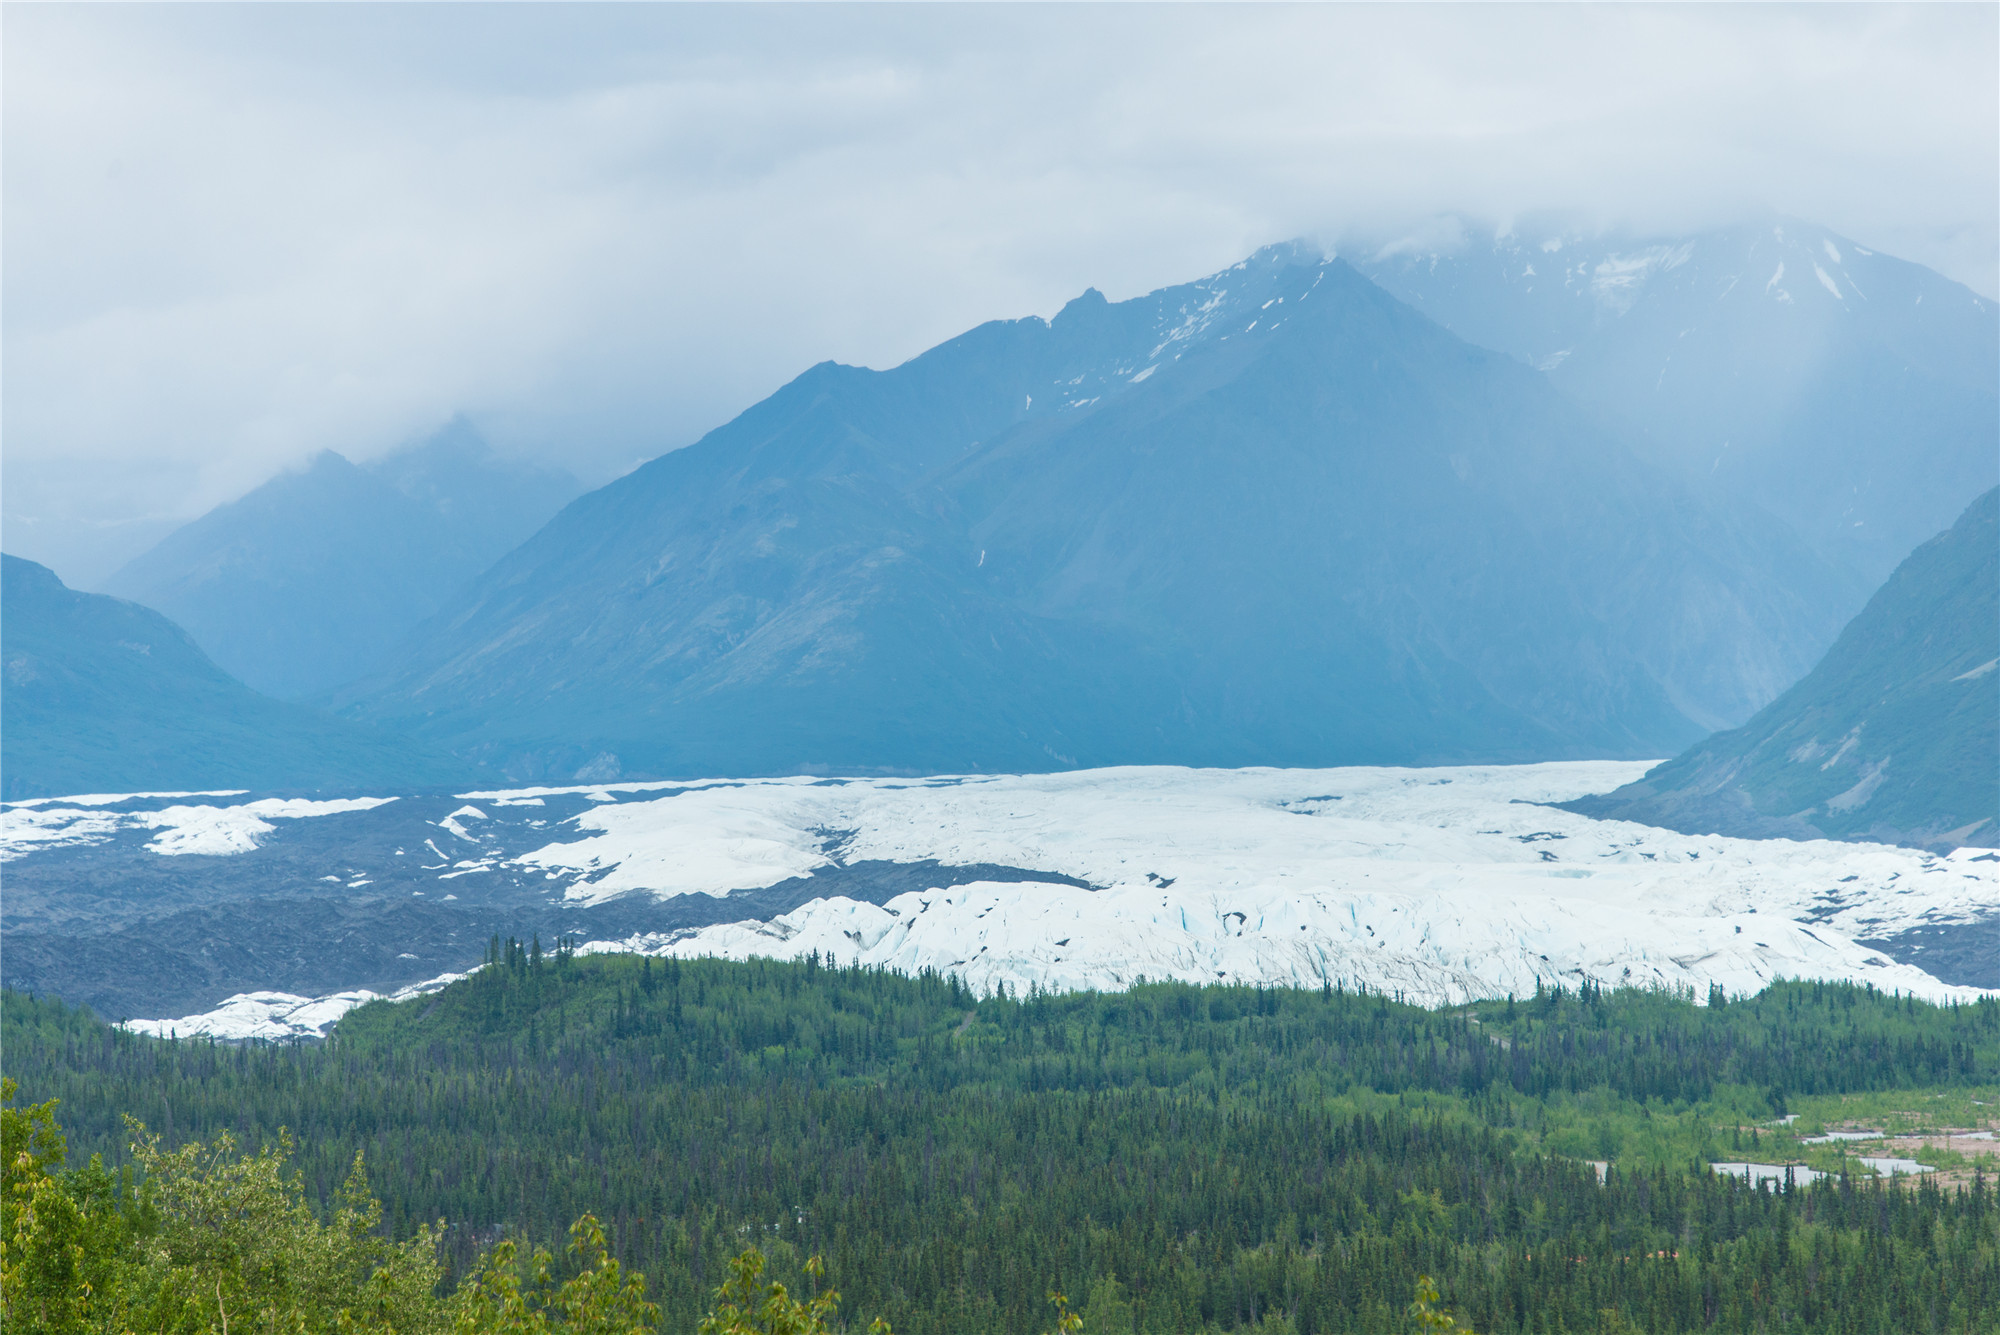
[
  {"x": 1441, "y": 884},
  {"x": 1436, "y": 884}
]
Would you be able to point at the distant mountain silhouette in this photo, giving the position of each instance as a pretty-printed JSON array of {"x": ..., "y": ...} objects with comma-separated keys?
[
  {"x": 313, "y": 578},
  {"x": 1893, "y": 737},
  {"x": 105, "y": 696},
  {"x": 1273, "y": 517},
  {"x": 1848, "y": 392}
]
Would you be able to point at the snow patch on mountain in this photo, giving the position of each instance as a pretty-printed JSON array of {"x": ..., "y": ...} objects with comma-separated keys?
[{"x": 1617, "y": 280}]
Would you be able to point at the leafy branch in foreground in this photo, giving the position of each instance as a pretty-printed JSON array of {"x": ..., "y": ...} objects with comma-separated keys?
[
  {"x": 508, "y": 1295},
  {"x": 1067, "y": 1322},
  {"x": 1424, "y": 1310},
  {"x": 203, "y": 1236},
  {"x": 745, "y": 1305},
  {"x": 194, "y": 1239}
]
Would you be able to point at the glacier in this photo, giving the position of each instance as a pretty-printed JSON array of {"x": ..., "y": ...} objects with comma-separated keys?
[
  {"x": 1439, "y": 885},
  {"x": 273, "y": 1017},
  {"x": 204, "y": 828}
]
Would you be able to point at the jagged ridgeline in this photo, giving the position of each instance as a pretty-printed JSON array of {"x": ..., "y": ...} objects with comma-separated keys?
[
  {"x": 1274, "y": 517},
  {"x": 1174, "y": 1158}
]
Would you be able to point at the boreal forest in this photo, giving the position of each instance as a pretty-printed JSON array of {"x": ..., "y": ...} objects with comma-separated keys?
[{"x": 1167, "y": 1159}]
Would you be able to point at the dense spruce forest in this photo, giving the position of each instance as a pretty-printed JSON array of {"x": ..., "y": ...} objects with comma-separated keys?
[{"x": 1174, "y": 1158}]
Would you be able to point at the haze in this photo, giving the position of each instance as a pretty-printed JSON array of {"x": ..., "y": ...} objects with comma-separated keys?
[{"x": 236, "y": 236}]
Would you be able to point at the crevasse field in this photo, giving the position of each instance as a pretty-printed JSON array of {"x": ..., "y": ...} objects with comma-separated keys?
[{"x": 1438, "y": 884}]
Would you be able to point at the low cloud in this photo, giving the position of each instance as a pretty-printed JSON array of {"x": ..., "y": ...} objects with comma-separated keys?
[{"x": 235, "y": 236}]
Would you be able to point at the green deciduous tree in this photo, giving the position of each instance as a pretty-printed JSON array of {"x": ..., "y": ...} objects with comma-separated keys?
[
  {"x": 746, "y": 1305},
  {"x": 514, "y": 1297},
  {"x": 231, "y": 1240},
  {"x": 1428, "y": 1316},
  {"x": 61, "y": 1234}
]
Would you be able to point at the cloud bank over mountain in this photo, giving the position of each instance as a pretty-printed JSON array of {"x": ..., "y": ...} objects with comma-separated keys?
[{"x": 236, "y": 237}]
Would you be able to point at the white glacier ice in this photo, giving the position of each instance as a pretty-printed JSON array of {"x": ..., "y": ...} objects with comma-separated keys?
[
  {"x": 205, "y": 828},
  {"x": 27, "y": 829},
  {"x": 1441, "y": 884},
  {"x": 275, "y": 1016}
]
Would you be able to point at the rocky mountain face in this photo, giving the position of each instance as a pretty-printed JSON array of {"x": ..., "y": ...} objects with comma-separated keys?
[
  {"x": 1848, "y": 392},
  {"x": 313, "y": 578},
  {"x": 1272, "y": 517},
  {"x": 105, "y": 696},
  {"x": 1893, "y": 737}
]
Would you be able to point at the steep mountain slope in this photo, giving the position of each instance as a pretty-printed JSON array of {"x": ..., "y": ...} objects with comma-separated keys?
[
  {"x": 311, "y": 579},
  {"x": 1423, "y": 526},
  {"x": 1271, "y": 517},
  {"x": 1894, "y": 737},
  {"x": 1851, "y": 393},
  {"x": 105, "y": 696}
]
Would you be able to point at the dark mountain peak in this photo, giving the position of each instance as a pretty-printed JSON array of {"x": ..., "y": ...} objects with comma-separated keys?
[
  {"x": 1297, "y": 253},
  {"x": 1081, "y": 307},
  {"x": 430, "y": 468},
  {"x": 49, "y": 627},
  {"x": 279, "y": 502}
]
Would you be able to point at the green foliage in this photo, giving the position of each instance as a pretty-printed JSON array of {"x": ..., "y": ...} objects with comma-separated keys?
[
  {"x": 1067, "y": 1322},
  {"x": 212, "y": 1236},
  {"x": 233, "y": 1239},
  {"x": 54, "y": 1231},
  {"x": 1425, "y": 1312},
  {"x": 209, "y": 1236},
  {"x": 507, "y": 1295},
  {"x": 1191, "y": 1159},
  {"x": 1107, "y": 1312},
  {"x": 746, "y": 1305}
]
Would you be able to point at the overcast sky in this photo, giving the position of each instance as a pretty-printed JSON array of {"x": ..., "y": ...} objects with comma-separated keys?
[{"x": 236, "y": 236}]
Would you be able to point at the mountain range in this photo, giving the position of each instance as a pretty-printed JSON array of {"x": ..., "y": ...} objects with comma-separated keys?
[
  {"x": 1279, "y": 517},
  {"x": 313, "y": 578},
  {"x": 1894, "y": 737},
  {"x": 1850, "y": 393},
  {"x": 1272, "y": 517},
  {"x": 1526, "y": 497}
]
